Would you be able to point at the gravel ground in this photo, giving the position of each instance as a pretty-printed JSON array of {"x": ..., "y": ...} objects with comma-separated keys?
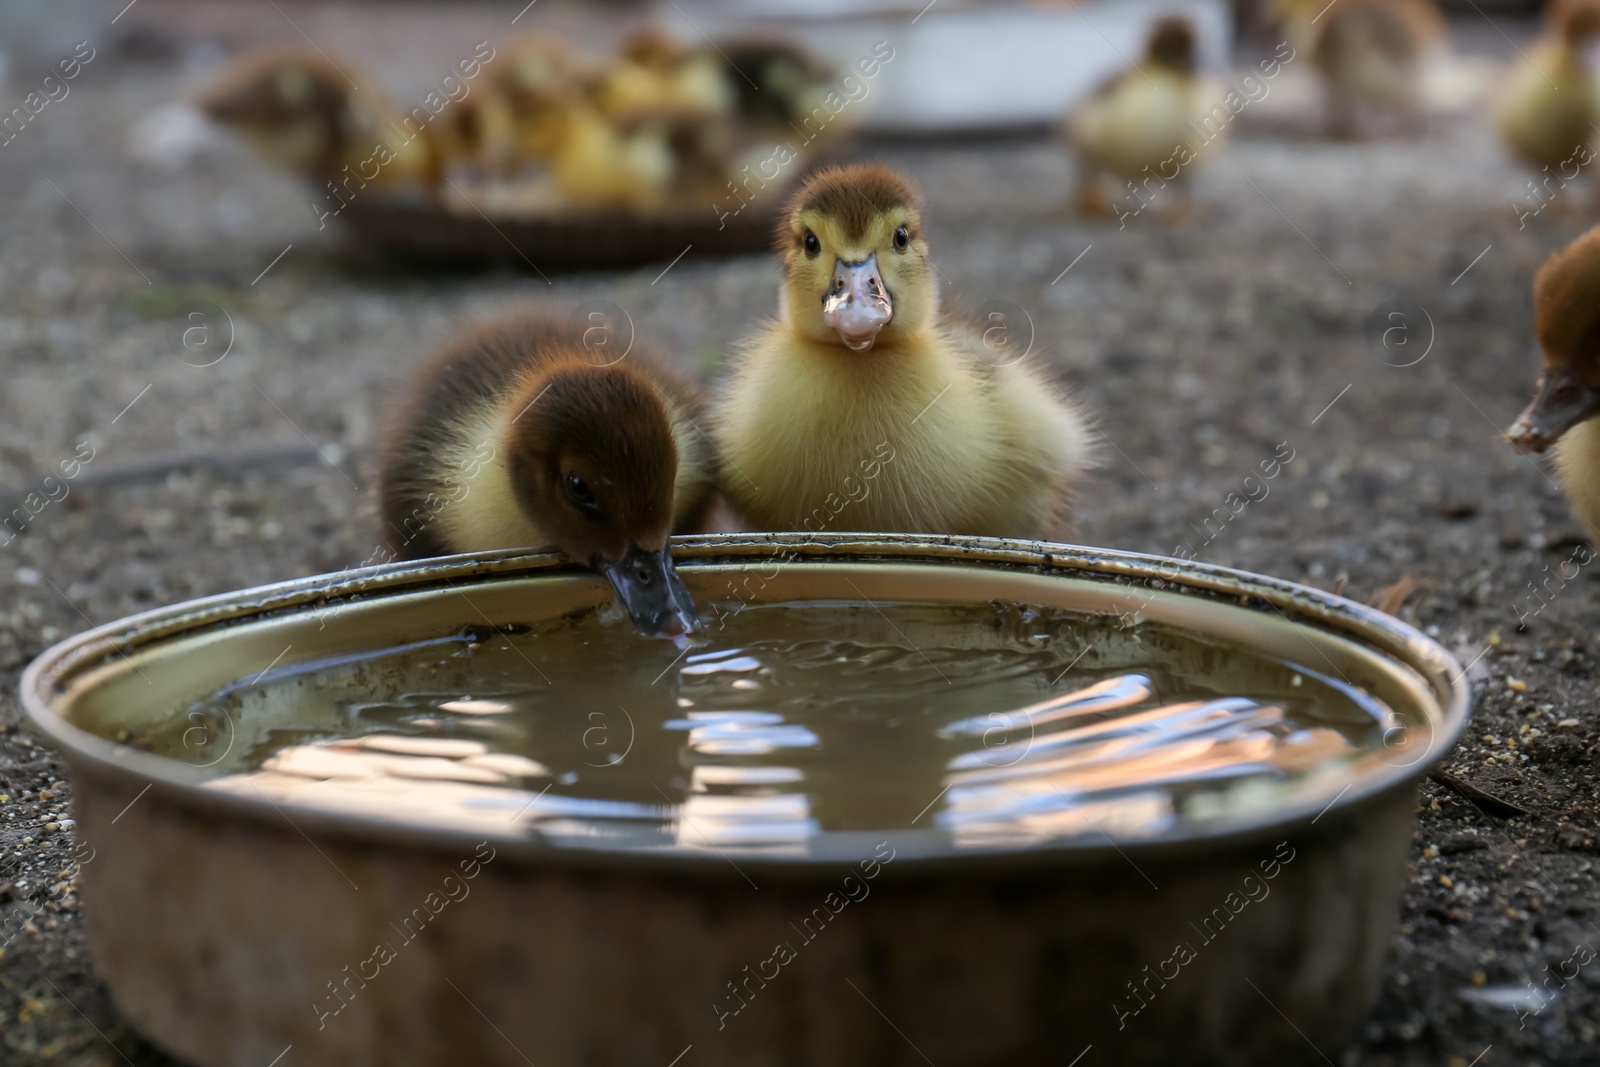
[{"x": 1200, "y": 349}]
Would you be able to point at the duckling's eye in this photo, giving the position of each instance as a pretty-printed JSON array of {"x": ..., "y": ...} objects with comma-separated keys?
[
  {"x": 813, "y": 246},
  {"x": 902, "y": 239},
  {"x": 579, "y": 493}
]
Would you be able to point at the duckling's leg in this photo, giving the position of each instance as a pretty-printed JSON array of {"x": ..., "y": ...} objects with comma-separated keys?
[{"x": 1089, "y": 195}]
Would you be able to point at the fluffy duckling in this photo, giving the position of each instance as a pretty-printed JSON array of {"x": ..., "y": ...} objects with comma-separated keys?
[
  {"x": 1140, "y": 125},
  {"x": 517, "y": 436},
  {"x": 858, "y": 409},
  {"x": 1550, "y": 104},
  {"x": 654, "y": 73},
  {"x": 505, "y": 120},
  {"x": 297, "y": 110},
  {"x": 1566, "y": 297},
  {"x": 1369, "y": 53}
]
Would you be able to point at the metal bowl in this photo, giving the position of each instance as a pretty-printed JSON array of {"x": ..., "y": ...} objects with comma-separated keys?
[{"x": 229, "y": 926}]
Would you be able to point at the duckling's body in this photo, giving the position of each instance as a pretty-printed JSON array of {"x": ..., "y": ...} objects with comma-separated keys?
[
  {"x": 1565, "y": 413},
  {"x": 859, "y": 410},
  {"x": 1550, "y": 104},
  {"x": 656, "y": 74},
  {"x": 1368, "y": 53},
  {"x": 1577, "y": 457},
  {"x": 1142, "y": 125},
  {"x": 297, "y": 110},
  {"x": 517, "y": 437}
]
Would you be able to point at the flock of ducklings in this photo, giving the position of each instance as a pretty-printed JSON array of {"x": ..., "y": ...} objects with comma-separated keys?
[
  {"x": 861, "y": 391},
  {"x": 532, "y": 119}
]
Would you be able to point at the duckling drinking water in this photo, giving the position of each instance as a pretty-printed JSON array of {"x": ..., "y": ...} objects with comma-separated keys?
[
  {"x": 859, "y": 366},
  {"x": 1566, "y": 299},
  {"x": 516, "y": 436}
]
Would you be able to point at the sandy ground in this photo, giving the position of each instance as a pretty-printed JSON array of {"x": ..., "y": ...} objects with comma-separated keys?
[{"x": 1200, "y": 348}]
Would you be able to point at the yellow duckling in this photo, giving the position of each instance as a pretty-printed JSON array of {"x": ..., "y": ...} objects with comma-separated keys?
[
  {"x": 1566, "y": 301},
  {"x": 517, "y": 436},
  {"x": 654, "y": 73},
  {"x": 298, "y": 110},
  {"x": 1369, "y": 53},
  {"x": 1550, "y": 104},
  {"x": 858, "y": 409},
  {"x": 1141, "y": 126}
]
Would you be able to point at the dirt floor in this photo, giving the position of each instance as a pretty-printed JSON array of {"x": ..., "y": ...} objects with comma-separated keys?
[{"x": 1200, "y": 348}]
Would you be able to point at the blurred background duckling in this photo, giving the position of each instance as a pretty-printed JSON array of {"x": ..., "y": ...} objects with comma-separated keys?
[
  {"x": 517, "y": 437},
  {"x": 1549, "y": 105},
  {"x": 542, "y": 112},
  {"x": 1562, "y": 415},
  {"x": 860, "y": 409},
  {"x": 653, "y": 73},
  {"x": 300, "y": 111},
  {"x": 1369, "y": 54},
  {"x": 1139, "y": 126}
]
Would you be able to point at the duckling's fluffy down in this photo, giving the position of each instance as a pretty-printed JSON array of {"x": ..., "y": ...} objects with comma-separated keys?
[
  {"x": 930, "y": 437},
  {"x": 1141, "y": 119}
]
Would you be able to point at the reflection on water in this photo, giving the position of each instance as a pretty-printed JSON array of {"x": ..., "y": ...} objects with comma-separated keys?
[{"x": 983, "y": 726}]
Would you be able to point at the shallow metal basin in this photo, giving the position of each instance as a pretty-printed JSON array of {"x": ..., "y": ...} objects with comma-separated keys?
[{"x": 228, "y": 925}]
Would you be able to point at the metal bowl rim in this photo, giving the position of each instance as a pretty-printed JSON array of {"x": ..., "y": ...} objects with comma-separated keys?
[{"x": 176, "y": 783}]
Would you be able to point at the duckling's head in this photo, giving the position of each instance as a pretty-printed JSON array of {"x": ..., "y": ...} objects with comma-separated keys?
[
  {"x": 290, "y": 104},
  {"x": 856, "y": 271},
  {"x": 592, "y": 462},
  {"x": 1172, "y": 45},
  {"x": 1566, "y": 299}
]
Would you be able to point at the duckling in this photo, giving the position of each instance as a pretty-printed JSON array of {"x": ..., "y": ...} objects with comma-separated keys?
[
  {"x": 503, "y": 122},
  {"x": 298, "y": 111},
  {"x": 516, "y": 436},
  {"x": 1369, "y": 53},
  {"x": 654, "y": 73},
  {"x": 1550, "y": 104},
  {"x": 777, "y": 85},
  {"x": 1566, "y": 300},
  {"x": 1142, "y": 123},
  {"x": 859, "y": 409}
]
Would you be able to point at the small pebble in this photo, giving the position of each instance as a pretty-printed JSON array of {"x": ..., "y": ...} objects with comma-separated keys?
[
  {"x": 1516, "y": 685},
  {"x": 1567, "y": 724},
  {"x": 1444, "y": 880}
]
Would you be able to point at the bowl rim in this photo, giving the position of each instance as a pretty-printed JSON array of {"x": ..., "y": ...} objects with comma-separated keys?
[{"x": 42, "y": 686}]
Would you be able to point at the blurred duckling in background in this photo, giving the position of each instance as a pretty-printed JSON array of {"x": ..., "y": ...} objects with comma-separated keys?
[
  {"x": 297, "y": 110},
  {"x": 1370, "y": 54},
  {"x": 1138, "y": 126},
  {"x": 777, "y": 85},
  {"x": 1550, "y": 104},
  {"x": 859, "y": 409},
  {"x": 654, "y": 73},
  {"x": 504, "y": 119},
  {"x": 1566, "y": 300},
  {"x": 516, "y": 437}
]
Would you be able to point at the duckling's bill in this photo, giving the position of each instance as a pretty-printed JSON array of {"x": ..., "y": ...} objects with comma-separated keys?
[
  {"x": 1561, "y": 403},
  {"x": 648, "y": 586},
  {"x": 857, "y": 304}
]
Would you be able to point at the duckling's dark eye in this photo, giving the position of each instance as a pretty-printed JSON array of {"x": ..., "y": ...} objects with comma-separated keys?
[
  {"x": 813, "y": 246},
  {"x": 579, "y": 493},
  {"x": 902, "y": 239}
]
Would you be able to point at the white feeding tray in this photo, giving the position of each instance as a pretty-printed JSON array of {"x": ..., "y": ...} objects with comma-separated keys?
[{"x": 960, "y": 67}]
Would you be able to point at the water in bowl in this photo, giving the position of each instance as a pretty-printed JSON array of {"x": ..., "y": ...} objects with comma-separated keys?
[{"x": 788, "y": 725}]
